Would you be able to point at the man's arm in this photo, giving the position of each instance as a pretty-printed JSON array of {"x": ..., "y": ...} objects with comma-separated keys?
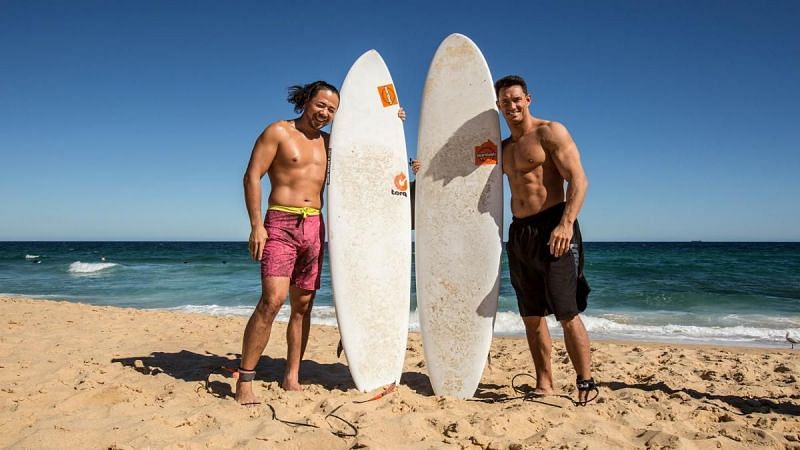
[
  {"x": 559, "y": 144},
  {"x": 264, "y": 151}
]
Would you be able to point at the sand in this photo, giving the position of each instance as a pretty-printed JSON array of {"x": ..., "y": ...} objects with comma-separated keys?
[{"x": 83, "y": 376}]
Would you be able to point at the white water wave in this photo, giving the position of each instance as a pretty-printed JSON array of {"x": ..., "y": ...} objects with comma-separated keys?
[
  {"x": 32, "y": 256},
  {"x": 510, "y": 324},
  {"x": 733, "y": 334},
  {"x": 320, "y": 315},
  {"x": 82, "y": 267}
]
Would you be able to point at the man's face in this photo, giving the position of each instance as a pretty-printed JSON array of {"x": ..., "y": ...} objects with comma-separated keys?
[
  {"x": 513, "y": 102},
  {"x": 321, "y": 108}
]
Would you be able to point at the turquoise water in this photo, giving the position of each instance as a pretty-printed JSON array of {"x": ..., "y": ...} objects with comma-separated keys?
[{"x": 719, "y": 293}]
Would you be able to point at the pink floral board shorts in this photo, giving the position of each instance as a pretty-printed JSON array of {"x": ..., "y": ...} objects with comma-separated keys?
[{"x": 294, "y": 248}]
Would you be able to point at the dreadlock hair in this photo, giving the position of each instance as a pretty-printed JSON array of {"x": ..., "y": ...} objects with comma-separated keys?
[
  {"x": 508, "y": 81},
  {"x": 299, "y": 95}
]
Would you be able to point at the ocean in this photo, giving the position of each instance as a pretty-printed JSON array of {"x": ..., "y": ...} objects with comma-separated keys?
[{"x": 745, "y": 294}]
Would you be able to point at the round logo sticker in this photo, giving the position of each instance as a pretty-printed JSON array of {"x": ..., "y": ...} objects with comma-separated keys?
[{"x": 401, "y": 182}]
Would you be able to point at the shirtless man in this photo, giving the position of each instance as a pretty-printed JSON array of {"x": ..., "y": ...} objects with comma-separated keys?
[
  {"x": 289, "y": 242},
  {"x": 545, "y": 250}
]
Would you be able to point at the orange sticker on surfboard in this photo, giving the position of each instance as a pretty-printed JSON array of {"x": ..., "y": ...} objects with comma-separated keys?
[
  {"x": 387, "y": 94},
  {"x": 401, "y": 182},
  {"x": 486, "y": 154}
]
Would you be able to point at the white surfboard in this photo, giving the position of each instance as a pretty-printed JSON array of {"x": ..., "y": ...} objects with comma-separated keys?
[
  {"x": 459, "y": 215},
  {"x": 369, "y": 224}
]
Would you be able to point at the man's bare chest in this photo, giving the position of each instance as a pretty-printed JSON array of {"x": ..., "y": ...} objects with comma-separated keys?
[
  {"x": 297, "y": 153},
  {"x": 525, "y": 156}
]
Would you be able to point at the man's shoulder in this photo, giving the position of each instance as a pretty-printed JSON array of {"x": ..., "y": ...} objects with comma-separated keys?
[
  {"x": 554, "y": 136},
  {"x": 277, "y": 131},
  {"x": 279, "y": 126},
  {"x": 550, "y": 126}
]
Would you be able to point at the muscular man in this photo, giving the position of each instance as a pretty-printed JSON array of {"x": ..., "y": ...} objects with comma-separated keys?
[
  {"x": 289, "y": 241},
  {"x": 545, "y": 250}
]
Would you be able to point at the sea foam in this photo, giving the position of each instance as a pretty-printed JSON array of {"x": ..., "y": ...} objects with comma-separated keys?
[
  {"x": 510, "y": 324},
  {"x": 32, "y": 256},
  {"x": 320, "y": 315},
  {"x": 82, "y": 267},
  {"x": 738, "y": 334}
]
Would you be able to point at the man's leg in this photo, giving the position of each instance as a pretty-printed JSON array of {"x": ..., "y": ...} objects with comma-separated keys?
[
  {"x": 540, "y": 345},
  {"x": 297, "y": 335},
  {"x": 256, "y": 334},
  {"x": 576, "y": 340}
]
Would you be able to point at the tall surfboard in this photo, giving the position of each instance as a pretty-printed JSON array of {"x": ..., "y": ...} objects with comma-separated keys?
[
  {"x": 459, "y": 215},
  {"x": 369, "y": 224}
]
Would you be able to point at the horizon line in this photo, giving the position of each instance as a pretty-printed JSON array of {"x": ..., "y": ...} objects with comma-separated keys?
[{"x": 693, "y": 241}]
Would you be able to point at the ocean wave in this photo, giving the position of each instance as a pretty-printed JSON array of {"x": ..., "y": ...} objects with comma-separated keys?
[
  {"x": 736, "y": 334},
  {"x": 82, "y": 267},
  {"x": 510, "y": 324},
  {"x": 761, "y": 320},
  {"x": 32, "y": 256},
  {"x": 320, "y": 315},
  {"x": 214, "y": 310}
]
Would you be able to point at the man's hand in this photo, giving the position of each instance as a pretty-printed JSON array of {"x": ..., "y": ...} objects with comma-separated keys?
[
  {"x": 559, "y": 240},
  {"x": 258, "y": 240},
  {"x": 414, "y": 165},
  {"x": 401, "y": 114}
]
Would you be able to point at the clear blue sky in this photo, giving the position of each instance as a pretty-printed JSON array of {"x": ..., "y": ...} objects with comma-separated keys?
[{"x": 134, "y": 120}]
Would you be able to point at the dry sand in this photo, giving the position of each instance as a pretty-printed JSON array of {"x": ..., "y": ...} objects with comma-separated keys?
[{"x": 82, "y": 376}]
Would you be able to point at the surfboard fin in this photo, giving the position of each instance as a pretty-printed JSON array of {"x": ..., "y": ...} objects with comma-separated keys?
[{"x": 339, "y": 349}]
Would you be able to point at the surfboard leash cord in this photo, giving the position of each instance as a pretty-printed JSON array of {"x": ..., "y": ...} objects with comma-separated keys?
[
  {"x": 337, "y": 433},
  {"x": 582, "y": 385},
  {"x": 342, "y": 434}
]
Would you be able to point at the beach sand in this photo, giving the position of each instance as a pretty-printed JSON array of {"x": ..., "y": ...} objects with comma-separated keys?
[{"x": 82, "y": 376}]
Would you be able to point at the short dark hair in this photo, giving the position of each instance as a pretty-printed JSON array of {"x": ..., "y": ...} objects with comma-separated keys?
[
  {"x": 508, "y": 81},
  {"x": 300, "y": 94}
]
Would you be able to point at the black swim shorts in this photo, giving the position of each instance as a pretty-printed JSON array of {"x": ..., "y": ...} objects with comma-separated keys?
[{"x": 545, "y": 284}]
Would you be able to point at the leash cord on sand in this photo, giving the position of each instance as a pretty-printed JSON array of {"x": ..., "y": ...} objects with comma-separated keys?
[
  {"x": 342, "y": 434},
  {"x": 526, "y": 394},
  {"x": 388, "y": 390},
  {"x": 532, "y": 396}
]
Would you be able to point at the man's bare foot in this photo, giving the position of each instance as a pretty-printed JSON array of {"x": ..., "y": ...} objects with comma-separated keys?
[
  {"x": 291, "y": 385},
  {"x": 244, "y": 388},
  {"x": 539, "y": 392},
  {"x": 245, "y": 395},
  {"x": 543, "y": 387}
]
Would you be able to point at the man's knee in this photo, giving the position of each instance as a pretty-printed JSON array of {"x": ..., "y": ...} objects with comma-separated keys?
[
  {"x": 569, "y": 320},
  {"x": 534, "y": 323},
  {"x": 574, "y": 328},
  {"x": 269, "y": 305},
  {"x": 302, "y": 308}
]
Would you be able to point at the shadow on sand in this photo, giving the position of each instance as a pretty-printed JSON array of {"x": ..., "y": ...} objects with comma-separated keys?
[
  {"x": 190, "y": 366},
  {"x": 195, "y": 367},
  {"x": 744, "y": 405},
  {"x": 417, "y": 382}
]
